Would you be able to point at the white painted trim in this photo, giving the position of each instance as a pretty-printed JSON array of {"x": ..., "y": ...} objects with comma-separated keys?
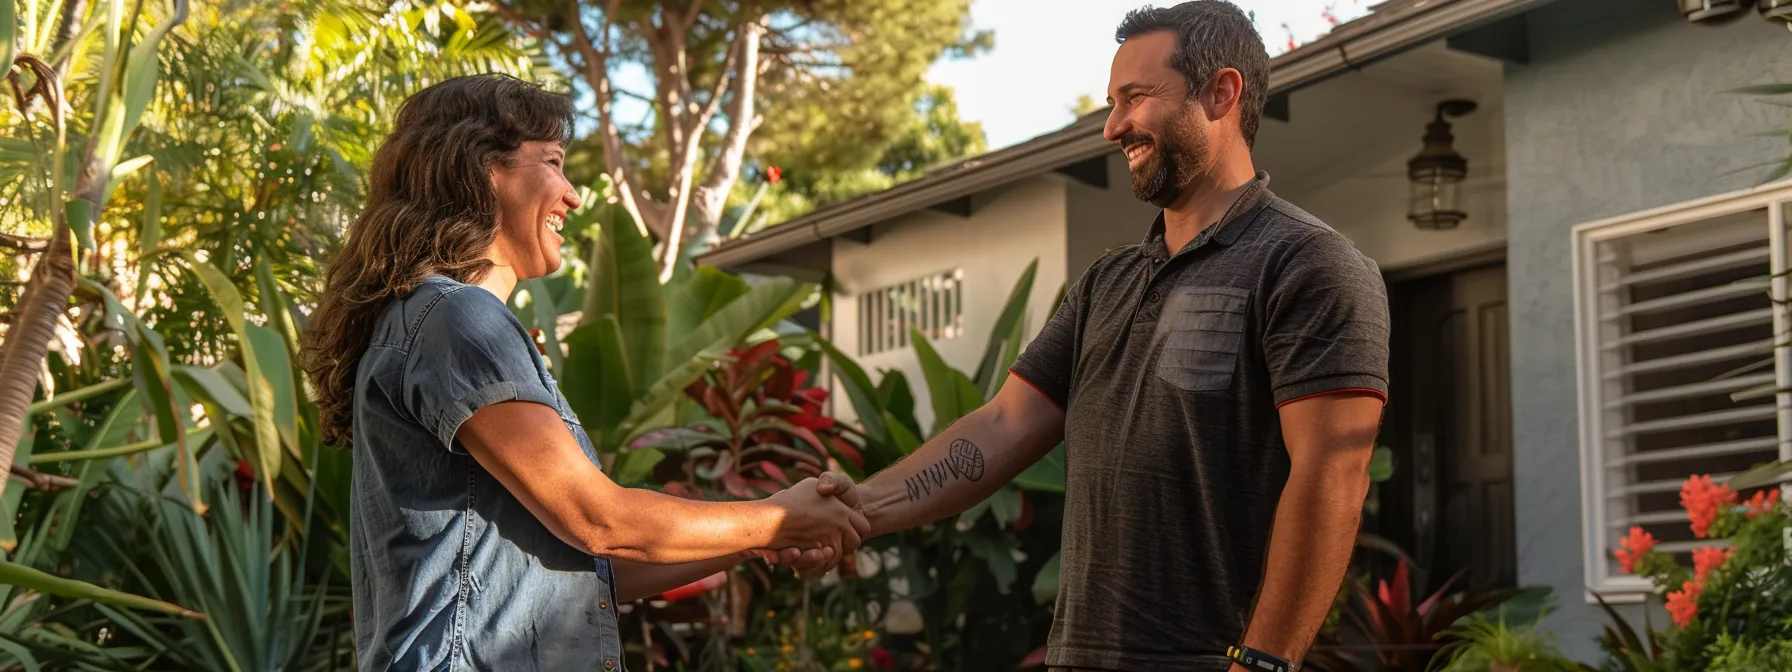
[{"x": 1595, "y": 537}]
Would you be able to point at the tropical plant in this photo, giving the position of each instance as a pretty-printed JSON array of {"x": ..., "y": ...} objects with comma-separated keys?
[
  {"x": 639, "y": 344},
  {"x": 1734, "y": 605},
  {"x": 68, "y": 180},
  {"x": 183, "y": 186},
  {"x": 1402, "y": 633},
  {"x": 1481, "y": 643},
  {"x": 949, "y": 589},
  {"x": 760, "y": 429},
  {"x": 1626, "y": 650}
]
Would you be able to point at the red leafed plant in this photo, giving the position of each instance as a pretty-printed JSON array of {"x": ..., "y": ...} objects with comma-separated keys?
[
  {"x": 1405, "y": 633},
  {"x": 765, "y": 431}
]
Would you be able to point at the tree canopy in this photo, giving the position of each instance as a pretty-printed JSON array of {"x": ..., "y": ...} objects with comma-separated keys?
[{"x": 828, "y": 68}]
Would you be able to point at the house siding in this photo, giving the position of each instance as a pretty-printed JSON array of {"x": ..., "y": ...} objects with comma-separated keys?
[
  {"x": 1103, "y": 219},
  {"x": 1009, "y": 227},
  {"x": 1621, "y": 108}
]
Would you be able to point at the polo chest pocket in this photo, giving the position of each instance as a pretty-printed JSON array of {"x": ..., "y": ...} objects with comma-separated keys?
[{"x": 1204, "y": 334}]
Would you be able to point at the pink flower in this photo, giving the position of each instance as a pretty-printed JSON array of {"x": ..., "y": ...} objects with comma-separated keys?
[
  {"x": 1683, "y": 604},
  {"x": 1633, "y": 547},
  {"x": 1703, "y": 501},
  {"x": 1706, "y": 559}
]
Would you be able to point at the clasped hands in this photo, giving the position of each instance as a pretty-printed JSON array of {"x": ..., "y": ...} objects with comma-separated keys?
[{"x": 822, "y": 524}]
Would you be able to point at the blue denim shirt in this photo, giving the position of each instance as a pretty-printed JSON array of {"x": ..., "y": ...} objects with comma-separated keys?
[{"x": 450, "y": 571}]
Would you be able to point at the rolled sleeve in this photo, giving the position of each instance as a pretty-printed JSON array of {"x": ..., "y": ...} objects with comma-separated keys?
[
  {"x": 1327, "y": 327},
  {"x": 468, "y": 352}
]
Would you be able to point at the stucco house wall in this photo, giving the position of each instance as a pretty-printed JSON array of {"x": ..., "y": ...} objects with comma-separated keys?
[{"x": 1621, "y": 108}]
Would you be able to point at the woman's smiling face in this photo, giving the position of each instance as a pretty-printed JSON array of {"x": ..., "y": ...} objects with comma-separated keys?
[{"x": 533, "y": 199}]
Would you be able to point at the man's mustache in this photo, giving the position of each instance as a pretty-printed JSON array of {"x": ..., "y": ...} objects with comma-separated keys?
[{"x": 1136, "y": 138}]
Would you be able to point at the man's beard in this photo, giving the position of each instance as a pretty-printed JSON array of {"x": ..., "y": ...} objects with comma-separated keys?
[{"x": 1172, "y": 164}]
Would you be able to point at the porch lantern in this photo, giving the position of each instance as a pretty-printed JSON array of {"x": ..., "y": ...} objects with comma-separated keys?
[{"x": 1437, "y": 173}]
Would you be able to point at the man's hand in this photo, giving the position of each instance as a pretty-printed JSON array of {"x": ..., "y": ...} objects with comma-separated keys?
[
  {"x": 839, "y": 486},
  {"x": 814, "y": 563},
  {"x": 818, "y": 531}
]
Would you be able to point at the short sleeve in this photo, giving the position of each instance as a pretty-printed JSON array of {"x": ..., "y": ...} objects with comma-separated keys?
[
  {"x": 1047, "y": 361},
  {"x": 1326, "y": 328},
  {"x": 468, "y": 352}
]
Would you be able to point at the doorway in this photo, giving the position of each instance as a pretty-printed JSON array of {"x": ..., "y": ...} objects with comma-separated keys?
[{"x": 1449, "y": 425}]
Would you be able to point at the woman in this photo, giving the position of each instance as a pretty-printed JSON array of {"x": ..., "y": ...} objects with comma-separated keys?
[{"x": 483, "y": 534}]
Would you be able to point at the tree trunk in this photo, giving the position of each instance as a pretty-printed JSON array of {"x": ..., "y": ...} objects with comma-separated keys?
[{"x": 28, "y": 337}]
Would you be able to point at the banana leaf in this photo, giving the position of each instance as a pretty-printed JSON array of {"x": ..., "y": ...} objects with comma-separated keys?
[
  {"x": 623, "y": 283},
  {"x": 1002, "y": 333}
]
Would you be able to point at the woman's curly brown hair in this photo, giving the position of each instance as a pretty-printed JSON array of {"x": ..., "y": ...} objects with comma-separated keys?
[{"x": 430, "y": 210}]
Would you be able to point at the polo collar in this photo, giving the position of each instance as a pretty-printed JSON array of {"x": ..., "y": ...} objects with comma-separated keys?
[{"x": 1223, "y": 232}]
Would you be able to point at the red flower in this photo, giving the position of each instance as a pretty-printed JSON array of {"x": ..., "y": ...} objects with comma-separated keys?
[
  {"x": 1683, "y": 604},
  {"x": 1706, "y": 559},
  {"x": 1633, "y": 548},
  {"x": 1704, "y": 500},
  {"x": 245, "y": 475},
  {"x": 881, "y": 658},
  {"x": 774, "y": 174},
  {"x": 1763, "y": 502}
]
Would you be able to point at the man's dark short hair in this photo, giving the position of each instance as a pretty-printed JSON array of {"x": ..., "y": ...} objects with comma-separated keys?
[{"x": 1210, "y": 35}]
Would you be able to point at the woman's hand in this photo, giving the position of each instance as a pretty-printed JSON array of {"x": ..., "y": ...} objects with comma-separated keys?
[{"x": 816, "y": 522}]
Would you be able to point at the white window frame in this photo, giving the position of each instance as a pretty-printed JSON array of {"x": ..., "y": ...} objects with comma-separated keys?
[
  {"x": 883, "y": 328},
  {"x": 1597, "y": 537}
]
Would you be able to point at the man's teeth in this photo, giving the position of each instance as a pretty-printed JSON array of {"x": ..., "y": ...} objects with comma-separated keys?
[
  {"x": 556, "y": 223},
  {"x": 1135, "y": 152}
]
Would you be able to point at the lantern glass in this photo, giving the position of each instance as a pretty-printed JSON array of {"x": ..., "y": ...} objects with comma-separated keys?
[{"x": 1436, "y": 197}]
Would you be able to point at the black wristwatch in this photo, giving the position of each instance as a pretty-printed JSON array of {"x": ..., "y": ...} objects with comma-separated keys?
[{"x": 1258, "y": 660}]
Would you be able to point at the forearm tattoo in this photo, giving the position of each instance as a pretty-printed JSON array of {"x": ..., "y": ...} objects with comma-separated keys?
[{"x": 963, "y": 460}]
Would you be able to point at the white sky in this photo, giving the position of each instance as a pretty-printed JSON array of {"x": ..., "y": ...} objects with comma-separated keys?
[{"x": 1048, "y": 52}]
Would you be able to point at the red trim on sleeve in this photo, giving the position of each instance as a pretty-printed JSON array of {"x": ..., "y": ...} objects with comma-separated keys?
[
  {"x": 1036, "y": 386},
  {"x": 1377, "y": 393}
]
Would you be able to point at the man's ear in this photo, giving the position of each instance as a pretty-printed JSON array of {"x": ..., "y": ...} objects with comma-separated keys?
[{"x": 1220, "y": 96}]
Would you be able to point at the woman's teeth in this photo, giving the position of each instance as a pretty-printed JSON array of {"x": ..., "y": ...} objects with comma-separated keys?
[{"x": 556, "y": 223}]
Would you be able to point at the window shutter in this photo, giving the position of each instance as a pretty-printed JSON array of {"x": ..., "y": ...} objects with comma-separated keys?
[
  {"x": 932, "y": 304},
  {"x": 1676, "y": 326}
]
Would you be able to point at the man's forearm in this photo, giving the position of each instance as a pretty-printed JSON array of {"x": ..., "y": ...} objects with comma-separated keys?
[
  {"x": 1309, "y": 549},
  {"x": 954, "y": 471}
]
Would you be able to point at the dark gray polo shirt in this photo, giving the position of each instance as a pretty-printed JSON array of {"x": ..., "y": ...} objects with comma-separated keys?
[{"x": 1170, "y": 371}]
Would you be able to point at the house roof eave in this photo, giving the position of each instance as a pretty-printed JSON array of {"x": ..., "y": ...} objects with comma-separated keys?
[{"x": 1391, "y": 28}]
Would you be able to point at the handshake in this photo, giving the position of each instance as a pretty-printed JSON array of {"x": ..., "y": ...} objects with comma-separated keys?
[{"x": 823, "y": 521}]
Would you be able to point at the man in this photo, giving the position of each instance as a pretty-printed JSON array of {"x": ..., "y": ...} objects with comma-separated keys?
[{"x": 1218, "y": 386}]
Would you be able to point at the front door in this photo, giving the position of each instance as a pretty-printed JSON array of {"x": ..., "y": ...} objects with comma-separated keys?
[{"x": 1449, "y": 423}]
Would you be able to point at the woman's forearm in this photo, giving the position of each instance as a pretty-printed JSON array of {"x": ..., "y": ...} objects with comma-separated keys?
[{"x": 649, "y": 527}]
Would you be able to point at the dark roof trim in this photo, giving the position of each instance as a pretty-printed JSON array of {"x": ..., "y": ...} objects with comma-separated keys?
[{"x": 1392, "y": 27}]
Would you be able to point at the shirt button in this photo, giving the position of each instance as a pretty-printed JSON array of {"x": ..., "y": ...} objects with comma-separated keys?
[
  {"x": 603, "y": 604},
  {"x": 609, "y": 664},
  {"x": 1152, "y": 297}
]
